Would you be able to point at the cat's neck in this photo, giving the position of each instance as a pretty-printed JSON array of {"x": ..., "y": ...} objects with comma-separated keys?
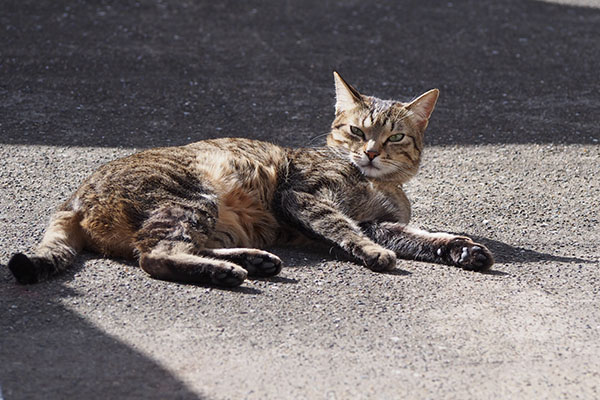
[{"x": 389, "y": 184}]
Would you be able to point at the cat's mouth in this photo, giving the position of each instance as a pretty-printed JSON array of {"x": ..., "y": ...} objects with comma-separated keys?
[
  {"x": 370, "y": 165},
  {"x": 375, "y": 168},
  {"x": 364, "y": 162},
  {"x": 370, "y": 168}
]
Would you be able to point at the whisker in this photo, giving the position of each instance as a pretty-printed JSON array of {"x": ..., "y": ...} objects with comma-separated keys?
[{"x": 317, "y": 137}]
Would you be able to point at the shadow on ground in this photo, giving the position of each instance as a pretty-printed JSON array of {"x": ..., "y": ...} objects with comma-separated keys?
[
  {"x": 73, "y": 358},
  {"x": 153, "y": 73},
  {"x": 506, "y": 253}
]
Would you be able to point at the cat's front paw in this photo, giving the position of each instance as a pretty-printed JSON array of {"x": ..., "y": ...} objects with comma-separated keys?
[
  {"x": 469, "y": 255},
  {"x": 377, "y": 258}
]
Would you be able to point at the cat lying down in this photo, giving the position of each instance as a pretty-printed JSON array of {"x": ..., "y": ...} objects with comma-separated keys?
[{"x": 200, "y": 213}]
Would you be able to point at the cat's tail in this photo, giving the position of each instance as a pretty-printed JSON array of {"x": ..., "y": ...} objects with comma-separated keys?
[{"x": 63, "y": 239}]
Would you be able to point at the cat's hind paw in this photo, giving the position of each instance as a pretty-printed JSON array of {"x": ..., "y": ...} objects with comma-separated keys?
[
  {"x": 228, "y": 276},
  {"x": 29, "y": 270},
  {"x": 23, "y": 269},
  {"x": 257, "y": 262},
  {"x": 262, "y": 264},
  {"x": 469, "y": 255},
  {"x": 187, "y": 268}
]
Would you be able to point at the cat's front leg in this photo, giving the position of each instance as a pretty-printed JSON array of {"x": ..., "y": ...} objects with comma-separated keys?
[
  {"x": 442, "y": 248},
  {"x": 320, "y": 219}
]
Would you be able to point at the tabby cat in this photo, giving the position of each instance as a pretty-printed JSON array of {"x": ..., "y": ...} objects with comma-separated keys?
[{"x": 198, "y": 213}]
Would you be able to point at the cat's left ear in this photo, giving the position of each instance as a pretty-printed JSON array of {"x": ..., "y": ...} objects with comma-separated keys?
[
  {"x": 346, "y": 97},
  {"x": 423, "y": 106}
]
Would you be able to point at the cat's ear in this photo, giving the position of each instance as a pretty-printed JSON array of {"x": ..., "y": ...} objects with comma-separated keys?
[
  {"x": 423, "y": 106},
  {"x": 346, "y": 97}
]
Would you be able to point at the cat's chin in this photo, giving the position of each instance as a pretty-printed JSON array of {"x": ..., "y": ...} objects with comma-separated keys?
[{"x": 373, "y": 170}]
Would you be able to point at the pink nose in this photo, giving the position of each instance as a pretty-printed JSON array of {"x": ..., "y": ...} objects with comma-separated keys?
[{"x": 371, "y": 154}]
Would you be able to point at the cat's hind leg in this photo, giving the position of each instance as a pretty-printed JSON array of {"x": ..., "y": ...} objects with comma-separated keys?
[
  {"x": 438, "y": 247},
  {"x": 170, "y": 247},
  {"x": 62, "y": 241},
  {"x": 189, "y": 268},
  {"x": 257, "y": 262}
]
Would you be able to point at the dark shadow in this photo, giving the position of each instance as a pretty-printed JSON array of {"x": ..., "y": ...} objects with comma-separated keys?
[
  {"x": 275, "y": 279},
  {"x": 50, "y": 352},
  {"x": 397, "y": 272},
  {"x": 494, "y": 272},
  {"x": 239, "y": 289},
  {"x": 82, "y": 258},
  {"x": 301, "y": 256},
  {"x": 506, "y": 253},
  {"x": 146, "y": 74}
]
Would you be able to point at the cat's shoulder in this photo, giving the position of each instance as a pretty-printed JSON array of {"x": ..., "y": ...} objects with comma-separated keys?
[
  {"x": 317, "y": 154},
  {"x": 324, "y": 164}
]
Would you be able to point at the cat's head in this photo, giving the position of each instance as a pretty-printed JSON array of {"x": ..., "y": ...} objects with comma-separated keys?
[{"x": 383, "y": 138}]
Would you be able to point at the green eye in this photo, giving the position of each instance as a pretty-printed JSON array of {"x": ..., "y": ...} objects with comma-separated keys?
[
  {"x": 356, "y": 131},
  {"x": 396, "y": 138}
]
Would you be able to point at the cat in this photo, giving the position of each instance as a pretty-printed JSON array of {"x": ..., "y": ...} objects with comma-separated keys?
[{"x": 199, "y": 213}]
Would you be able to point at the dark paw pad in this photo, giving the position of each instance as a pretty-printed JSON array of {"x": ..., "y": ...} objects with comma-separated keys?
[
  {"x": 230, "y": 277},
  {"x": 262, "y": 264},
  {"x": 470, "y": 256},
  {"x": 23, "y": 269}
]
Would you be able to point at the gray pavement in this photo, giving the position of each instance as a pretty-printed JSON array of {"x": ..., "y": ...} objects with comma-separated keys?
[{"x": 513, "y": 160}]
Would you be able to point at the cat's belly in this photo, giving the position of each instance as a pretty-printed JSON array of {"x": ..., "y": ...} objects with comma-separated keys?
[
  {"x": 243, "y": 175},
  {"x": 243, "y": 221}
]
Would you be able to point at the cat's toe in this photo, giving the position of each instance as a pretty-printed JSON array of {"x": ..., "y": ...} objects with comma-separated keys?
[
  {"x": 229, "y": 276},
  {"x": 263, "y": 265},
  {"x": 471, "y": 256},
  {"x": 380, "y": 259}
]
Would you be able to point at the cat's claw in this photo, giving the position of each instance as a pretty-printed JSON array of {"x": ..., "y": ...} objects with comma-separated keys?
[{"x": 468, "y": 255}]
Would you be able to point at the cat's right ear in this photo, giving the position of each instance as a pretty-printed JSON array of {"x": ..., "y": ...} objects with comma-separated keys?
[
  {"x": 346, "y": 97},
  {"x": 423, "y": 106}
]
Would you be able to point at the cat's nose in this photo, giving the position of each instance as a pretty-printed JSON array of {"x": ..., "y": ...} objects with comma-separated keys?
[{"x": 371, "y": 154}]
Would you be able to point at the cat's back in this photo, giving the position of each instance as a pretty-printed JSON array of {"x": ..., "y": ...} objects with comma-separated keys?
[
  {"x": 218, "y": 164},
  {"x": 239, "y": 165},
  {"x": 231, "y": 168}
]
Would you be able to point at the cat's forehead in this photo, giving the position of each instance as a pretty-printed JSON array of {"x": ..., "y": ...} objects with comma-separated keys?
[{"x": 381, "y": 112}]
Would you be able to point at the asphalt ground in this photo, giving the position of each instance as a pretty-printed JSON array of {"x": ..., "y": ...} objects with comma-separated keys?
[{"x": 512, "y": 160}]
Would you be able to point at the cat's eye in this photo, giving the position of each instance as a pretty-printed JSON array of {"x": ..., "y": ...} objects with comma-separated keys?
[
  {"x": 396, "y": 138},
  {"x": 356, "y": 131}
]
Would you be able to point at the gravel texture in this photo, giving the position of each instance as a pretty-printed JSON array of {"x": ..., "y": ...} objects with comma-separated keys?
[{"x": 513, "y": 159}]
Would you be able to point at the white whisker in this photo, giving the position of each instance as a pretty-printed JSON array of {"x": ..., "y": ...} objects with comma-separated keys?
[{"x": 317, "y": 137}]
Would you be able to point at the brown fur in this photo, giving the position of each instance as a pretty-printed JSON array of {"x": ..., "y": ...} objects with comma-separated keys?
[{"x": 197, "y": 213}]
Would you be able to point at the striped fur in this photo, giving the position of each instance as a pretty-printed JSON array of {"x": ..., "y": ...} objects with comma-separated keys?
[{"x": 199, "y": 213}]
